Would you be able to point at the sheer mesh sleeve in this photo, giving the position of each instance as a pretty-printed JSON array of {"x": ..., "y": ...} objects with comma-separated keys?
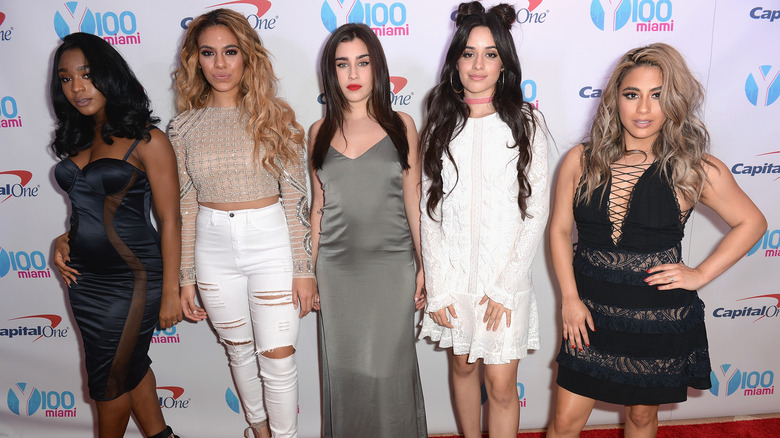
[
  {"x": 188, "y": 208},
  {"x": 293, "y": 190},
  {"x": 514, "y": 277}
]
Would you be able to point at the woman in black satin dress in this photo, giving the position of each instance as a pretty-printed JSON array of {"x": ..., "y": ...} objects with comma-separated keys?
[{"x": 122, "y": 275}]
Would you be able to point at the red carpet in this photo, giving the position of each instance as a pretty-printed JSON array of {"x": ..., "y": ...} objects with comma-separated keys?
[{"x": 758, "y": 428}]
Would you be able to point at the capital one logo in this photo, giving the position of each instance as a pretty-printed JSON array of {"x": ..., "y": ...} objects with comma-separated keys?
[
  {"x": 174, "y": 400},
  {"x": 762, "y": 87}
]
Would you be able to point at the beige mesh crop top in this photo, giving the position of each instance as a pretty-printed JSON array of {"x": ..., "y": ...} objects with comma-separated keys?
[{"x": 214, "y": 155}]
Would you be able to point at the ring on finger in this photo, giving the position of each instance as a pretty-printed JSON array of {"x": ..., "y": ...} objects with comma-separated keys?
[{"x": 671, "y": 280}]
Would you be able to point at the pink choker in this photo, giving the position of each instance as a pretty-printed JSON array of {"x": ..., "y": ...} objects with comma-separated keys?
[{"x": 478, "y": 100}]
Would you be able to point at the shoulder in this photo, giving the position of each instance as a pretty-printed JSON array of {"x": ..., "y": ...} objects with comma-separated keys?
[
  {"x": 157, "y": 143},
  {"x": 572, "y": 161},
  {"x": 184, "y": 119},
  {"x": 408, "y": 120},
  {"x": 714, "y": 167},
  {"x": 313, "y": 130}
]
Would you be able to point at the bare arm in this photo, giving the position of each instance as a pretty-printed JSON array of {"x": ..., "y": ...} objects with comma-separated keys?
[
  {"x": 412, "y": 193},
  {"x": 723, "y": 195},
  {"x": 575, "y": 316},
  {"x": 159, "y": 162},
  {"x": 317, "y": 201}
]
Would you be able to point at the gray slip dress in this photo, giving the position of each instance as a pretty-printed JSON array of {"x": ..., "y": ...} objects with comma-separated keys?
[{"x": 366, "y": 279}]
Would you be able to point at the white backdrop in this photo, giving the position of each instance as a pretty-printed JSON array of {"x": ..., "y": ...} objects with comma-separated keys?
[{"x": 567, "y": 49}]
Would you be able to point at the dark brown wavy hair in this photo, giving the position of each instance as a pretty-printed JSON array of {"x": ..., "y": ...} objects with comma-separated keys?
[
  {"x": 379, "y": 104},
  {"x": 446, "y": 112}
]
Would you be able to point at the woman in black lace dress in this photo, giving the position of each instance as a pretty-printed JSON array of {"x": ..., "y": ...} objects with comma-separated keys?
[{"x": 633, "y": 325}]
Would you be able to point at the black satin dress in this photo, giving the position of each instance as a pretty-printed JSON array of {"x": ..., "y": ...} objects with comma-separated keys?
[
  {"x": 116, "y": 249},
  {"x": 650, "y": 345}
]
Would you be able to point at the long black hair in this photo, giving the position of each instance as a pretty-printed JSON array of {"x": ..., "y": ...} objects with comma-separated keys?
[
  {"x": 379, "y": 105},
  {"x": 446, "y": 111},
  {"x": 128, "y": 112}
]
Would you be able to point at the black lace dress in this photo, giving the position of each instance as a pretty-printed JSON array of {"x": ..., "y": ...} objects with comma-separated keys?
[{"x": 649, "y": 346}]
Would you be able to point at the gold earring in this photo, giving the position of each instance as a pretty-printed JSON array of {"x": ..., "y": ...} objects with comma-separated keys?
[{"x": 452, "y": 85}]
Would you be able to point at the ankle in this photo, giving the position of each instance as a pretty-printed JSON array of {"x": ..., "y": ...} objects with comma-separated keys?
[
  {"x": 258, "y": 430},
  {"x": 165, "y": 433}
]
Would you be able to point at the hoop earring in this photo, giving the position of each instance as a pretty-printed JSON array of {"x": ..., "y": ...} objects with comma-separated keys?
[
  {"x": 502, "y": 79},
  {"x": 452, "y": 85}
]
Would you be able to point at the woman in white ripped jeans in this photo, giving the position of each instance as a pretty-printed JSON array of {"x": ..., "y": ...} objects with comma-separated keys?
[{"x": 246, "y": 238}]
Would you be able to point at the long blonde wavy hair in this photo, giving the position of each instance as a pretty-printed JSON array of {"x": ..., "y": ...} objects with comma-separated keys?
[
  {"x": 683, "y": 142},
  {"x": 271, "y": 121}
]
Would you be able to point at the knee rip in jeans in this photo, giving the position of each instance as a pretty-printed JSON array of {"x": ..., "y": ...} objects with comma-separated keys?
[
  {"x": 279, "y": 352},
  {"x": 210, "y": 293},
  {"x": 273, "y": 298}
]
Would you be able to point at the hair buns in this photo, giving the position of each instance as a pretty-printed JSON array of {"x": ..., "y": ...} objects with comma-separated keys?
[
  {"x": 468, "y": 9},
  {"x": 504, "y": 12}
]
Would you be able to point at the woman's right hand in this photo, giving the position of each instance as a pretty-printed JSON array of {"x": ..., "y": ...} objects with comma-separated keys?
[
  {"x": 576, "y": 320},
  {"x": 191, "y": 311},
  {"x": 440, "y": 316},
  {"x": 62, "y": 257}
]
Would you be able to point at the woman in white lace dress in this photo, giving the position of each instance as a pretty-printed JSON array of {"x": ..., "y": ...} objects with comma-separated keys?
[{"x": 485, "y": 203}]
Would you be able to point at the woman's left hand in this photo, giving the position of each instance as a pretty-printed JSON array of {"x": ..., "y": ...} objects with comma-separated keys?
[
  {"x": 419, "y": 291},
  {"x": 494, "y": 312},
  {"x": 304, "y": 290},
  {"x": 675, "y": 276},
  {"x": 170, "y": 310}
]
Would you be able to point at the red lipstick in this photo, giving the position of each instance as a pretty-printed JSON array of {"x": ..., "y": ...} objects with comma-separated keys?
[{"x": 354, "y": 87}]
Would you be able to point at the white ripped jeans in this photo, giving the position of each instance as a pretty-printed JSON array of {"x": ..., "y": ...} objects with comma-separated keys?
[{"x": 243, "y": 264}]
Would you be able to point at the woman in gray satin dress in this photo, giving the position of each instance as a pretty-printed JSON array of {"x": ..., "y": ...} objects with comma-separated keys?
[{"x": 366, "y": 240}]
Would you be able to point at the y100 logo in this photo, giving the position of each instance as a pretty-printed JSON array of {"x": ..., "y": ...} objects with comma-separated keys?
[
  {"x": 255, "y": 19},
  {"x": 761, "y": 87},
  {"x": 25, "y": 400},
  {"x": 728, "y": 380},
  {"x": 25, "y": 264},
  {"x": 520, "y": 394},
  {"x": 614, "y": 14},
  {"x": 9, "y": 113},
  {"x": 166, "y": 336},
  {"x": 769, "y": 243},
  {"x": 114, "y": 27},
  {"x": 17, "y": 189},
  {"x": 49, "y": 330},
  {"x": 529, "y": 92},
  {"x": 383, "y": 18},
  {"x": 173, "y": 401},
  {"x": 232, "y": 401}
]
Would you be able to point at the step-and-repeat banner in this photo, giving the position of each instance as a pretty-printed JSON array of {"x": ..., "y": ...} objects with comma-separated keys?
[{"x": 567, "y": 50}]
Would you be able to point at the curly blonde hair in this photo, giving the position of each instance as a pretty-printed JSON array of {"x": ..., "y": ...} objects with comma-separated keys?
[
  {"x": 683, "y": 141},
  {"x": 271, "y": 121}
]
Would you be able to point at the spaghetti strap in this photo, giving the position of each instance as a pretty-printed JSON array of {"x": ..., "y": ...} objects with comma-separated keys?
[{"x": 130, "y": 151}]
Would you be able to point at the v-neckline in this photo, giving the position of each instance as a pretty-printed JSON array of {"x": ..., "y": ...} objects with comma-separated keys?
[{"x": 364, "y": 152}]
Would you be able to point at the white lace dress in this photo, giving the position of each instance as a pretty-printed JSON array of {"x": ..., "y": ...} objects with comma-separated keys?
[{"x": 479, "y": 245}]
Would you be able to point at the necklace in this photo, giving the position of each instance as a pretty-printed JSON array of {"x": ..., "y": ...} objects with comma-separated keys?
[{"x": 478, "y": 100}]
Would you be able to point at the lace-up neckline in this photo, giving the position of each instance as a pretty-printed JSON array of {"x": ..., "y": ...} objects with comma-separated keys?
[{"x": 624, "y": 178}]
